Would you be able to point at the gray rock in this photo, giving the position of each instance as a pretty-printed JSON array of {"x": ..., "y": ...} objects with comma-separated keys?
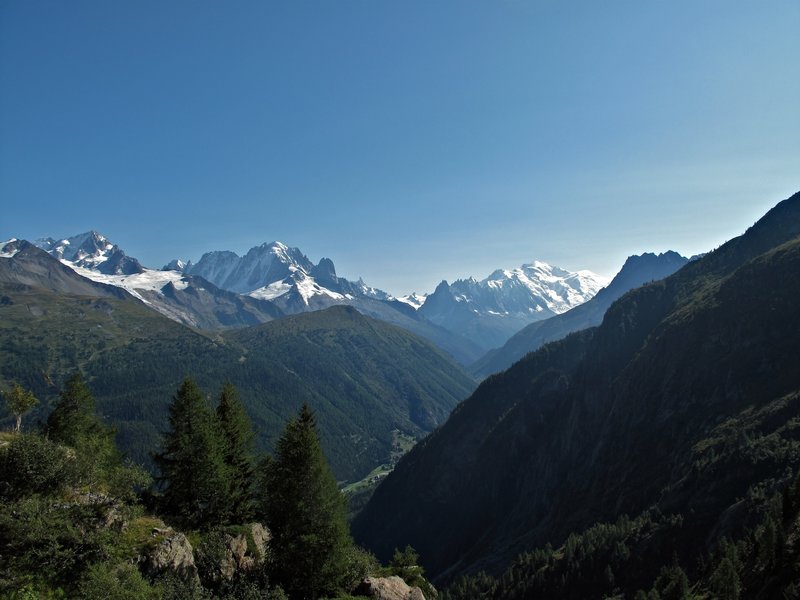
[
  {"x": 261, "y": 537},
  {"x": 389, "y": 588},
  {"x": 173, "y": 553},
  {"x": 238, "y": 557}
]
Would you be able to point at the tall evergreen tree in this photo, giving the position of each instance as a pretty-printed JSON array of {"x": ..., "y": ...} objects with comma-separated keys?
[
  {"x": 237, "y": 434},
  {"x": 193, "y": 470},
  {"x": 74, "y": 415},
  {"x": 306, "y": 513},
  {"x": 98, "y": 461}
]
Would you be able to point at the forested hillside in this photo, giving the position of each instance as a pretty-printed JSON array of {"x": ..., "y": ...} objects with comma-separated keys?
[
  {"x": 363, "y": 377},
  {"x": 680, "y": 406},
  {"x": 219, "y": 520}
]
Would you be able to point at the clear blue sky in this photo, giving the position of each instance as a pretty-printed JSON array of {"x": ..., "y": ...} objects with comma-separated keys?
[{"x": 410, "y": 141}]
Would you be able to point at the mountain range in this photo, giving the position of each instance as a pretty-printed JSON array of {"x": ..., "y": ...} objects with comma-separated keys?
[
  {"x": 366, "y": 380},
  {"x": 491, "y": 310},
  {"x": 225, "y": 290},
  {"x": 599, "y": 460},
  {"x": 636, "y": 271}
]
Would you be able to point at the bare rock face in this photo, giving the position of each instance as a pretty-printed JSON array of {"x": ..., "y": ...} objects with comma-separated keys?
[
  {"x": 388, "y": 588},
  {"x": 174, "y": 553},
  {"x": 238, "y": 556},
  {"x": 261, "y": 537}
]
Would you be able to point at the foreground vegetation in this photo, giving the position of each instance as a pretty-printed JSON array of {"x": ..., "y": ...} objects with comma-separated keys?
[{"x": 78, "y": 521}]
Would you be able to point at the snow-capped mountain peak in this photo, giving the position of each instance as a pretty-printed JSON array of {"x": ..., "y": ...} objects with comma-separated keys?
[
  {"x": 281, "y": 273},
  {"x": 9, "y": 248},
  {"x": 414, "y": 299},
  {"x": 93, "y": 251},
  {"x": 177, "y": 264},
  {"x": 260, "y": 267},
  {"x": 492, "y": 309}
]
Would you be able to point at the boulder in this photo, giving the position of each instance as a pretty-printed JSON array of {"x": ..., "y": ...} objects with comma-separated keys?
[
  {"x": 172, "y": 553},
  {"x": 388, "y": 588}
]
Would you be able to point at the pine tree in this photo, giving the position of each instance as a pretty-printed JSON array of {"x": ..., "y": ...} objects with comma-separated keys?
[
  {"x": 74, "y": 415},
  {"x": 19, "y": 402},
  {"x": 672, "y": 583},
  {"x": 237, "y": 433},
  {"x": 306, "y": 513},
  {"x": 192, "y": 464},
  {"x": 98, "y": 461},
  {"x": 725, "y": 582}
]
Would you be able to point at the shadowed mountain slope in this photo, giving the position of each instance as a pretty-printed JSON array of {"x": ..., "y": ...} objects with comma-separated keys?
[
  {"x": 636, "y": 271},
  {"x": 609, "y": 420}
]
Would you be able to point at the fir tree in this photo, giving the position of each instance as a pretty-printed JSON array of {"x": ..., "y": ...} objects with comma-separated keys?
[
  {"x": 98, "y": 461},
  {"x": 725, "y": 582},
  {"x": 74, "y": 415},
  {"x": 306, "y": 513},
  {"x": 193, "y": 470},
  {"x": 237, "y": 433},
  {"x": 672, "y": 583}
]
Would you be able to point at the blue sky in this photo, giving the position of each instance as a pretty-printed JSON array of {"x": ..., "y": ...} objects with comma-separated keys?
[{"x": 408, "y": 141}]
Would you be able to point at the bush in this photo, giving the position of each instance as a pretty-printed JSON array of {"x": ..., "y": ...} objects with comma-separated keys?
[
  {"x": 115, "y": 582},
  {"x": 34, "y": 465},
  {"x": 358, "y": 564}
]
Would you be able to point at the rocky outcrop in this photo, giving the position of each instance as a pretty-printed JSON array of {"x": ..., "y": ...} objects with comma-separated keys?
[
  {"x": 223, "y": 554},
  {"x": 238, "y": 556},
  {"x": 261, "y": 537},
  {"x": 172, "y": 553},
  {"x": 388, "y": 588}
]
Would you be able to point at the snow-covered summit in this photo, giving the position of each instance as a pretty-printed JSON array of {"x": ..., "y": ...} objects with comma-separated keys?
[
  {"x": 490, "y": 310},
  {"x": 93, "y": 251},
  {"x": 275, "y": 271},
  {"x": 413, "y": 299},
  {"x": 93, "y": 256},
  {"x": 177, "y": 264},
  {"x": 9, "y": 248}
]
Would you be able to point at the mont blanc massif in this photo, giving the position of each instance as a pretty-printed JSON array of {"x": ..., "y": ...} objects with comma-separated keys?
[{"x": 258, "y": 426}]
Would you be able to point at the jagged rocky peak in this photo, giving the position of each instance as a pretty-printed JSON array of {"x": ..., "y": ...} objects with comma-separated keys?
[
  {"x": 176, "y": 264},
  {"x": 91, "y": 250},
  {"x": 637, "y": 260},
  {"x": 442, "y": 287},
  {"x": 641, "y": 268},
  {"x": 10, "y": 248},
  {"x": 414, "y": 299},
  {"x": 325, "y": 272}
]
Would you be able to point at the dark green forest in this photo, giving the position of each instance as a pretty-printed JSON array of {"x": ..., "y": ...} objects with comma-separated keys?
[{"x": 77, "y": 520}]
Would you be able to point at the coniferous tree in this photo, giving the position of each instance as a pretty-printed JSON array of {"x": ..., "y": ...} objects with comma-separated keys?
[
  {"x": 74, "y": 415},
  {"x": 237, "y": 434},
  {"x": 192, "y": 463},
  {"x": 74, "y": 423},
  {"x": 725, "y": 582},
  {"x": 306, "y": 513}
]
